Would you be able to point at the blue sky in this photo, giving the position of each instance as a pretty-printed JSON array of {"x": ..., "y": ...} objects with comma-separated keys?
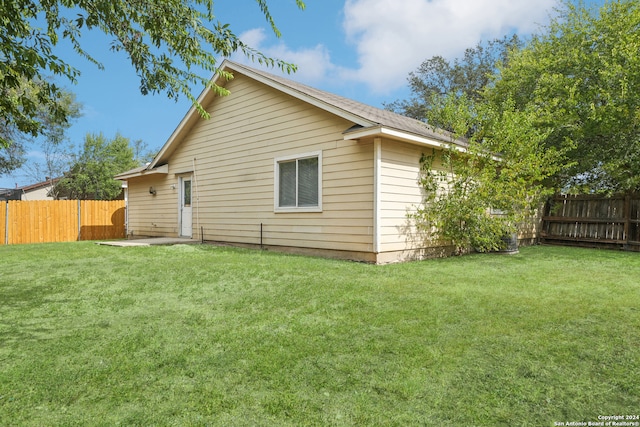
[{"x": 361, "y": 49}]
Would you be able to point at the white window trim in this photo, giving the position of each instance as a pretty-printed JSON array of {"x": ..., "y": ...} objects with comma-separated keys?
[{"x": 276, "y": 187}]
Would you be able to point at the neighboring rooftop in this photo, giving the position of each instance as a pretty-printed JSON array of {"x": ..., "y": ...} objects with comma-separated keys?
[{"x": 39, "y": 185}]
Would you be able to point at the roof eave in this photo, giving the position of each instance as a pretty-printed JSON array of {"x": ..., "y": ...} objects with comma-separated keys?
[
  {"x": 135, "y": 173},
  {"x": 398, "y": 135}
]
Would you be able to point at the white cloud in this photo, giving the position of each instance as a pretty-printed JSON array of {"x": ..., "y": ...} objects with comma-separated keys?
[
  {"x": 254, "y": 37},
  {"x": 314, "y": 63},
  {"x": 393, "y": 38}
]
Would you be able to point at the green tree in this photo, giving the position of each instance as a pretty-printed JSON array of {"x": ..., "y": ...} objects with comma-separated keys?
[
  {"x": 91, "y": 173},
  {"x": 581, "y": 75},
  {"x": 11, "y": 158},
  {"x": 51, "y": 143},
  {"x": 142, "y": 154},
  {"x": 477, "y": 196},
  {"x": 466, "y": 76},
  {"x": 165, "y": 40},
  {"x": 486, "y": 191},
  {"x": 52, "y": 128},
  {"x": 563, "y": 112}
]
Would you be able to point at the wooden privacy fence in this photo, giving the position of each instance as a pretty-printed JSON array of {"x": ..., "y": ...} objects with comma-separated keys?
[
  {"x": 593, "y": 221},
  {"x": 41, "y": 221}
]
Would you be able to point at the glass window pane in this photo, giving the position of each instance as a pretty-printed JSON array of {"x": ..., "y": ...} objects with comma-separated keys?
[
  {"x": 187, "y": 193},
  {"x": 308, "y": 182},
  {"x": 287, "y": 184}
]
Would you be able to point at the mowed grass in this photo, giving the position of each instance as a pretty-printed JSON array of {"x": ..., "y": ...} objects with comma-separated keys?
[{"x": 205, "y": 335}]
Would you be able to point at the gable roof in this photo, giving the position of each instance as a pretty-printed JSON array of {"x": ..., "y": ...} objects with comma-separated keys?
[
  {"x": 368, "y": 121},
  {"x": 363, "y": 115}
]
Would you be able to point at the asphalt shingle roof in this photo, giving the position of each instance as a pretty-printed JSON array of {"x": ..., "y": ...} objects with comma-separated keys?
[
  {"x": 366, "y": 116},
  {"x": 376, "y": 116}
]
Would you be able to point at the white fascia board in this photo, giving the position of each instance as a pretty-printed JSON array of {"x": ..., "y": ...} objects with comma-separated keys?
[{"x": 381, "y": 131}]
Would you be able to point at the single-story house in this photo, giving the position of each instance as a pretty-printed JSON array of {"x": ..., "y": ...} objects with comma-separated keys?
[
  {"x": 39, "y": 191},
  {"x": 284, "y": 166}
]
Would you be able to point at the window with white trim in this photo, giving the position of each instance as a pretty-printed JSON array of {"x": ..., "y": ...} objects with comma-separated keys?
[{"x": 299, "y": 182}]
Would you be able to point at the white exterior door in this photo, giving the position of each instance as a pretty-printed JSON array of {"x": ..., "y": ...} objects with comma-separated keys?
[{"x": 186, "y": 211}]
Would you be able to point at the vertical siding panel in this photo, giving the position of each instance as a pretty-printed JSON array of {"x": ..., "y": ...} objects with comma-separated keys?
[
  {"x": 400, "y": 194},
  {"x": 31, "y": 227},
  {"x": 116, "y": 224},
  {"x": 53, "y": 227},
  {"x": 15, "y": 218},
  {"x": 11, "y": 222},
  {"x": 86, "y": 232},
  {"x": 94, "y": 218},
  {"x": 46, "y": 219},
  {"x": 3, "y": 222},
  {"x": 116, "y": 216},
  {"x": 120, "y": 220},
  {"x": 58, "y": 211},
  {"x": 36, "y": 223},
  {"x": 27, "y": 216},
  {"x": 86, "y": 225},
  {"x": 40, "y": 221},
  {"x": 70, "y": 225}
]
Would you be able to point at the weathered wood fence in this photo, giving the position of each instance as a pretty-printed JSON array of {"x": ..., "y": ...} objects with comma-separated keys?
[
  {"x": 41, "y": 221},
  {"x": 593, "y": 221}
]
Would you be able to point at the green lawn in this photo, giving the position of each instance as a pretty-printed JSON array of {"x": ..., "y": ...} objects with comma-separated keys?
[{"x": 205, "y": 335}]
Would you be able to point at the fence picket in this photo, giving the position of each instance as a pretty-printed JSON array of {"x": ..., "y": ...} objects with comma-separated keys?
[
  {"x": 3, "y": 223},
  {"x": 593, "y": 221},
  {"x": 40, "y": 221},
  {"x": 101, "y": 220}
]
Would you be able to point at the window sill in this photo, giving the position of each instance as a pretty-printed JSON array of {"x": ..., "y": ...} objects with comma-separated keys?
[{"x": 298, "y": 210}]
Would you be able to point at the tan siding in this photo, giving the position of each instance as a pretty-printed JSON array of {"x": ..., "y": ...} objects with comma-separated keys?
[
  {"x": 233, "y": 189},
  {"x": 399, "y": 195},
  {"x": 152, "y": 215}
]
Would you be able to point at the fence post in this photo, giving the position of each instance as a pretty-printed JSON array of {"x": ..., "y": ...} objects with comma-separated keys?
[
  {"x": 79, "y": 222},
  {"x": 627, "y": 219}
]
